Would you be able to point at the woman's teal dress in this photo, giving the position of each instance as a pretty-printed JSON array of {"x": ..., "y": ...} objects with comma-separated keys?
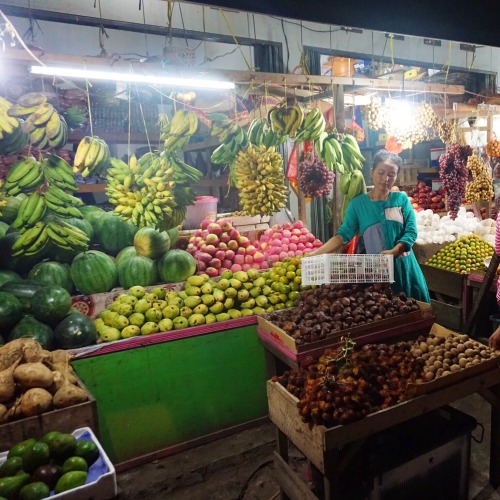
[{"x": 383, "y": 224}]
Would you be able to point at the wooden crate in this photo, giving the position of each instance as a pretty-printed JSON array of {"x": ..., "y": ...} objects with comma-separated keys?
[
  {"x": 266, "y": 327},
  {"x": 424, "y": 252},
  {"x": 63, "y": 420},
  {"x": 448, "y": 315},
  {"x": 444, "y": 282}
]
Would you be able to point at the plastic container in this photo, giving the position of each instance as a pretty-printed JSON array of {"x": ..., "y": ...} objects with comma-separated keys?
[
  {"x": 205, "y": 207},
  {"x": 343, "y": 268},
  {"x": 101, "y": 480}
]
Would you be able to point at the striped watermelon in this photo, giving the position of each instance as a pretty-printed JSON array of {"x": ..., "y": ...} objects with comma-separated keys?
[
  {"x": 151, "y": 243},
  {"x": 137, "y": 270},
  {"x": 125, "y": 254},
  {"x": 91, "y": 213},
  {"x": 94, "y": 272},
  {"x": 52, "y": 273},
  {"x": 176, "y": 266},
  {"x": 113, "y": 234}
]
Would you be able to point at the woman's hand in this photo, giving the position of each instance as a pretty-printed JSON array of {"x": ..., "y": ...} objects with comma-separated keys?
[
  {"x": 397, "y": 251},
  {"x": 494, "y": 341}
]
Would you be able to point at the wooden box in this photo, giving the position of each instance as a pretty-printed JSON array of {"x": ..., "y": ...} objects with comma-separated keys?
[
  {"x": 444, "y": 282},
  {"x": 448, "y": 315},
  {"x": 63, "y": 420},
  {"x": 266, "y": 327},
  {"x": 424, "y": 252}
]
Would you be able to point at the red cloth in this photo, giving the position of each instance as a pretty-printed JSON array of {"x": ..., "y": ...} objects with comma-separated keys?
[{"x": 352, "y": 245}]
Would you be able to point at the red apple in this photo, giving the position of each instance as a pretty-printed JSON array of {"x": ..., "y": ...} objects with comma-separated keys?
[
  {"x": 230, "y": 254},
  {"x": 215, "y": 263},
  {"x": 220, "y": 254}
]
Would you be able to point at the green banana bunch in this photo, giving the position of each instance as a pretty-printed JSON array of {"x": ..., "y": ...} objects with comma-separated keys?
[
  {"x": 32, "y": 209},
  {"x": 231, "y": 146},
  {"x": 75, "y": 117},
  {"x": 32, "y": 242},
  {"x": 352, "y": 156},
  {"x": 13, "y": 139},
  {"x": 58, "y": 172},
  {"x": 286, "y": 120},
  {"x": 352, "y": 184},
  {"x": 143, "y": 190},
  {"x": 65, "y": 236},
  {"x": 92, "y": 155},
  {"x": 177, "y": 133},
  {"x": 260, "y": 180},
  {"x": 312, "y": 127},
  {"x": 259, "y": 133},
  {"x": 25, "y": 176},
  {"x": 61, "y": 203},
  {"x": 330, "y": 151}
]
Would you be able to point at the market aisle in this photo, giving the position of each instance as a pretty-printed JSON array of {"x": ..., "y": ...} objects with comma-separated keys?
[{"x": 240, "y": 467}]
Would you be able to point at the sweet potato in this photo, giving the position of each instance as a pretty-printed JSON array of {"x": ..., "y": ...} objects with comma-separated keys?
[
  {"x": 33, "y": 352},
  {"x": 10, "y": 353},
  {"x": 7, "y": 384},
  {"x": 69, "y": 395},
  {"x": 35, "y": 401},
  {"x": 30, "y": 375}
]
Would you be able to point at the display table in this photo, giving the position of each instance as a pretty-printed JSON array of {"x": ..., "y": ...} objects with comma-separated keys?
[
  {"x": 158, "y": 392},
  {"x": 328, "y": 449}
]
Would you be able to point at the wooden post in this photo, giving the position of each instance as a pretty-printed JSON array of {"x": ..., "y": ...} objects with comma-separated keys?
[
  {"x": 301, "y": 199},
  {"x": 338, "y": 103}
]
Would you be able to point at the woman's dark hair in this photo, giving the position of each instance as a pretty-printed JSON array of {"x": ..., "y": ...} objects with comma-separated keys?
[{"x": 384, "y": 155}]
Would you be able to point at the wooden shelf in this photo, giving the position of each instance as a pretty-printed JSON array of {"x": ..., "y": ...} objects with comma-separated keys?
[{"x": 91, "y": 188}]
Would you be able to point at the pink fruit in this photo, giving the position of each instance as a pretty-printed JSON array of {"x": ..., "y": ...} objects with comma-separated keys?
[
  {"x": 212, "y": 239},
  {"x": 220, "y": 254},
  {"x": 235, "y": 268},
  {"x": 209, "y": 249},
  {"x": 284, "y": 248},
  {"x": 291, "y": 253},
  {"x": 276, "y": 243},
  {"x": 294, "y": 238},
  {"x": 226, "y": 226},
  {"x": 201, "y": 266},
  {"x": 309, "y": 244},
  {"x": 222, "y": 245},
  {"x": 241, "y": 251},
  {"x": 239, "y": 259},
  {"x": 214, "y": 228},
  {"x": 230, "y": 254},
  {"x": 285, "y": 241},
  {"x": 248, "y": 259},
  {"x": 300, "y": 246},
  {"x": 190, "y": 246},
  {"x": 246, "y": 267},
  {"x": 298, "y": 252},
  {"x": 298, "y": 224},
  {"x": 212, "y": 272},
  {"x": 317, "y": 243},
  {"x": 234, "y": 234},
  {"x": 233, "y": 245},
  {"x": 258, "y": 257},
  {"x": 224, "y": 237},
  {"x": 204, "y": 234},
  {"x": 243, "y": 241},
  {"x": 204, "y": 257},
  {"x": 283, "y": 255},
  {"x": 216, "y": 263},
  {"x": 197, "y": 233},
  {"x": 205, "y": 223},
  {"x": 292, "y": 247},
  {"x": 264, "y": 265},
  {"x": 296, "y": 232},
  {"x": 226, "y": 263},
  {"x": 274, "y": 258},
  {"x": 287, "y": 233},
  {"x": 274, "y": 251},
  {"x": 263, "y": 246},
  {"x": 221, "y": 270},
  {"x": 250, "y": 250}
]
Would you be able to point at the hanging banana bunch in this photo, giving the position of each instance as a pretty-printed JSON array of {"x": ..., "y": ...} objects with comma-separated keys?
[
  {"x": 232, "y": 137},
  {"x": 261, "y": 134},
  {"x": 312, "y": 126},
  {"x": 13, "y": 138},
  {"x": 286, "y": 121},
  {"x": 92, "y": 155},
  {"x": 177, "y": 132},
  {"x": 351, "y": 185}
]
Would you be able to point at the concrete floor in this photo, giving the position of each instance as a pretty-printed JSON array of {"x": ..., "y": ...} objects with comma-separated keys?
[{"x": 240, "y": 467}]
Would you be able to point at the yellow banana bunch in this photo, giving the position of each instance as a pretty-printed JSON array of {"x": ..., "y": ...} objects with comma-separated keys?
[
  {"x": 177, "y": 132},
  {"x": 92, "y": 155},
  {"x": 13, "y": 139},
  {"x": 142, "y": 190},
  {"x": 312, "y": 127},
  {"x": 286, "y": 120},
  {"x": 260, "y": 180}
]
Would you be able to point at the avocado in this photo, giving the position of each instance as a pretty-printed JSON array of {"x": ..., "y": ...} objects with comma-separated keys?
[
  {"x": 11, "y": 466},
  {"x": 19, "y": 449},
  {"x": 70, "y": 480},
  {"x": 35, "y": 456},
  {"x": 34, "y": 491},
  {"x": 11, "y": 485}
]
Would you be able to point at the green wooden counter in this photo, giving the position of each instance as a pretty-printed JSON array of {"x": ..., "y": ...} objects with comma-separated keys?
[{"x": 151, "y": 397}]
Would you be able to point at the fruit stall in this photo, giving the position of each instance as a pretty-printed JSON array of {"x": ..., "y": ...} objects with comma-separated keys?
[{"x": 148, "y": 327}]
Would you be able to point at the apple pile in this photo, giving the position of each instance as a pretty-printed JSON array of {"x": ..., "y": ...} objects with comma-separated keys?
[
  {"x": 422, "y": 197},
  {"x": 288, "y": 240},
  {"x": 218, "y": 246}
]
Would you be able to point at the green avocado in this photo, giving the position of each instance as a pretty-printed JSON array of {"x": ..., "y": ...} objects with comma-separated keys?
[{"x": 10, "y": 486}]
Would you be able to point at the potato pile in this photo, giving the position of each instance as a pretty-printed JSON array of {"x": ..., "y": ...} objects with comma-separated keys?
[
  {"x": 446, "y": 355},
  {"x": 33, "y": 381}
]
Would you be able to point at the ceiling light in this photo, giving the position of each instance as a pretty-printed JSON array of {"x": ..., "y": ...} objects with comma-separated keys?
[{"x": 132, "y": 77}]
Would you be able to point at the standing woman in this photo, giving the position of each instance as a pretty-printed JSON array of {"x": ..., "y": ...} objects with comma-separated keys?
[{"x": 387, "y": 223}]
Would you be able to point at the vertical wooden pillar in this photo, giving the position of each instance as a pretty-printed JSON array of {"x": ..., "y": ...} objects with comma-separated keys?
[
  {"x": 338, "y": 103},
  {"x": 301, "y": 199}
]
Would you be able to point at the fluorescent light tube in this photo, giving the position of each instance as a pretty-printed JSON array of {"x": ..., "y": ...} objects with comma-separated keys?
[{"x": 131, "y": 77}]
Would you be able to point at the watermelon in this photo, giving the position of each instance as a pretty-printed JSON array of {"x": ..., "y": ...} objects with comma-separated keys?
[
  {"x": 91, "y": 213},
  {"x": 3, "y": 227},
  {"x": 24, "y": 290},
  {"x": 10, "y": 310},
  {"x": 51, "y": 304},
  {"x": 82, "y": 224},
  {"x": 94, "y": 272},
  {"x": 113, "y": 234},
  {"x": 74, "y": 331},
  {"x": 9, "y": 212},
  {"x": 173, "y": 234},
  {"x": 52, "y": 273},
  {"x": 151, "y": 243},
  {"x": 8, "y": 276},
  {"x": 125, "y": 254},
  {"x": 137, "y": 271},
  {"x": 176, "y": 266},
  {"x": 30, "y": 327},
  {"x": 20, "y": 264}
]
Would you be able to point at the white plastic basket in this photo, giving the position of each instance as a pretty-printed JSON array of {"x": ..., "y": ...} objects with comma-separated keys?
[{"x": 346, "y": 268}]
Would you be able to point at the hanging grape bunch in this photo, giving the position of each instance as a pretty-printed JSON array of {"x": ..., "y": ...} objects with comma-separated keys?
[
  {"x": 454, "y": 174},
  {"x": 315, "y": 180}
]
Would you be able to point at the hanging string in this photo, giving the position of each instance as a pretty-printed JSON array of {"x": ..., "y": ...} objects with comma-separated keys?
[
  {"x": 144, "y": 22},
  {"x": 183, "y": 25},
  {"x": 204, "y": 32},
  {"x": 170, "y": 12},
  {"x": 129, "y": 120},
  {"x": 334, "y": 117},
  {"x": 87, "y": 84},
  {"x": 142, "y": 116},
  {"x": 446, "y": 67},
  {"x": 235, "y": 40},
  {"x": 391, "y": 48}
]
